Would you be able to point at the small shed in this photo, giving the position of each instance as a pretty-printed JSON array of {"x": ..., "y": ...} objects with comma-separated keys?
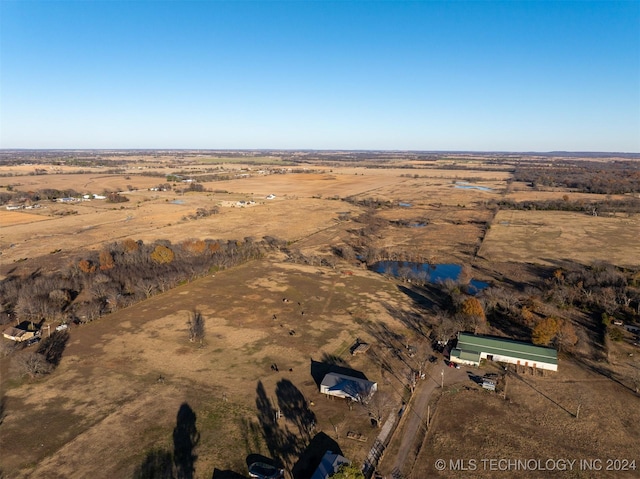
[
  {"x": 347, "y": 387},
  {"x": 359, "y": 347},
  {"x": 488, "y": 383}
]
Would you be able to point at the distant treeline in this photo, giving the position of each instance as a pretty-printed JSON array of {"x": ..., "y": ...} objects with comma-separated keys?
[
  {"x": 630, "y": 205},
  {"x": 613, "y": 177}
]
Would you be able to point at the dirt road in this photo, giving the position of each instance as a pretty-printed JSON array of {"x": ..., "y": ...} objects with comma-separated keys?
[{"x": 416, "y": 415}]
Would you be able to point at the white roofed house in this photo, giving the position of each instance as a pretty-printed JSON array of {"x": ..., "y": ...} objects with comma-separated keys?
[{"x": 347, "y": 387}]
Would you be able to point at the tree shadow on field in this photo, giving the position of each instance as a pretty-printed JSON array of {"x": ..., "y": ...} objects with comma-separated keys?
[
  {"x": 161, "y": 464},
  {"x": 157, "y": 465},
  {"x": 425, "y": 297},
  {"x": 53, "y": 347},
  {"x": 310, "y": 458},
  {"x": 3, "y": 407},
  {"x": 501, "y": 321},
  {"x": 185, "y": 439},
  {"x": 412, "y": 320},
  {"x": 333, "y": 359},
  {"x": 283, "y": 444},
  {"x": 295, "y": 408}
]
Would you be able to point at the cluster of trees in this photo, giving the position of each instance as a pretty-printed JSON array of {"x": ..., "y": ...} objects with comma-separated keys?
[
  {"x": 119, "y": 275},
  {"x": 519, "y": 315},
  {"x": 202, "y": 213},
  {"x": 601, "y": 292},
  {"x": 193, "y": 186},
  {"x": 599, "y": 288},
  {"x": 559, "y": 331},
  {"x": 628, "y": 205},
  {"x": 114, "y": 197},
  {"x": 615, "y": 177},
  {"x": 372, "y": 203},
  {"x": 462, "y": 313}
]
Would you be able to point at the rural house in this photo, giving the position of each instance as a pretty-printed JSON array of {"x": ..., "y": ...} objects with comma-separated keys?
[
  {"x": 23, "y": 332},
  {"x": 472, "y": 348},
  {"x": 329, "y": 465},
  {"x": 343, "y": 386}
]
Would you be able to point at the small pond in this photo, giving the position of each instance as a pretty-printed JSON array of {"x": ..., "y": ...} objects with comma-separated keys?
[
  {"x": 469, "y": 186},
  {"x": 431, "y": 273},
  {"x": 177, "y": 202},
  {"x": 405, "y": 205}
]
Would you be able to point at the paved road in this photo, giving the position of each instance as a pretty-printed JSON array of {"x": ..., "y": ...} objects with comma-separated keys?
[{"x": 416, "y": 413}]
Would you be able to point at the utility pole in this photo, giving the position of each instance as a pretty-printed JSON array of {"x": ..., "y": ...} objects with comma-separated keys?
[{"x": 505, "y": 387}]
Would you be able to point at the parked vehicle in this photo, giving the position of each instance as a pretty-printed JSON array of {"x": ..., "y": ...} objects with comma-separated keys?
[{"x": 261, "y": 470}]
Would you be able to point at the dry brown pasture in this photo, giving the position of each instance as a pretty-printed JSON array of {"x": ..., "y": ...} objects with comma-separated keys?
[
  {"x": 103, "y": 409},
  {"x": 537, "y": 421},
  {"x": 549, "y": 237},
  {"x": 12, "y": 218}
]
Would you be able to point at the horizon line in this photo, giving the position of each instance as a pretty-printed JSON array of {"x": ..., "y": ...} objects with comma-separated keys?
[{"x": 330, "y": 150}]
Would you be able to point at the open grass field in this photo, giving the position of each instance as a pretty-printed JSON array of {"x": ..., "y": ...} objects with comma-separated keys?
[
  {"x": 13, "y": 218},
  {"x": 104, "y": 412},
  {"x": 547, "y": 237}
]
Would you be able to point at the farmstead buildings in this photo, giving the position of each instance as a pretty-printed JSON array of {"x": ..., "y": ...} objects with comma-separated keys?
[{"x": 471, "y": 349}]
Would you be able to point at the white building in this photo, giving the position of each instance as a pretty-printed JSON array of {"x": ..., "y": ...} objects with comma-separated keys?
[
  {"x": 347, "y": 387},
  {"x": 472, "y": 348}
]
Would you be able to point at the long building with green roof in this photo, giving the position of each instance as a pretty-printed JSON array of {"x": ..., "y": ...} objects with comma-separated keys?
[{"x": 472, "y": 348}]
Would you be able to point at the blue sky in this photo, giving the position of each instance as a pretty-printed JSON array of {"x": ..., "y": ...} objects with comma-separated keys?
[{"x": 455, "y": 75}]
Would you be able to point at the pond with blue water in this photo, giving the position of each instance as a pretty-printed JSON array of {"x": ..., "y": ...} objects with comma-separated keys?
[
  {"x": 468, "y": 186},
  {"x": 433, "y": 274}
]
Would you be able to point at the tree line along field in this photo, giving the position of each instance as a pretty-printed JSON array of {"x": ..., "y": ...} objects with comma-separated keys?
[{"x": 131, "y": 379}]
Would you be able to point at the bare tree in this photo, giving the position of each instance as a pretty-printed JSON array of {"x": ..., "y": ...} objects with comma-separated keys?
[
  {"x": 445, "y": 326},
  {"x": 196, "y": 326},
  {"x": 465, "y": 276},
  {"x": 377, "y": 405},
  {"x": 32, "y": 364}
]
